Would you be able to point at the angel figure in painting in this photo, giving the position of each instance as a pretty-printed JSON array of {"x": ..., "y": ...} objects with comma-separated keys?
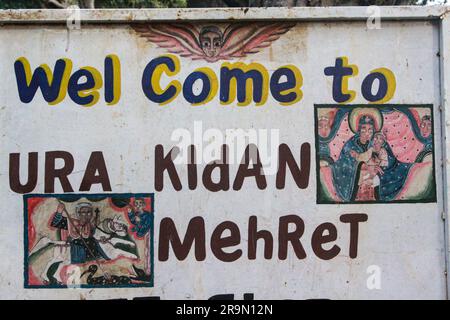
[
  {"x": 141, "y": 219},
  {"x": 212, "y": 42}
]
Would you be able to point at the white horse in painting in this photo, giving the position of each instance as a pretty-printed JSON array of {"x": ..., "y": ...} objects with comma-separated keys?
[{"x": 111, "y": 234}]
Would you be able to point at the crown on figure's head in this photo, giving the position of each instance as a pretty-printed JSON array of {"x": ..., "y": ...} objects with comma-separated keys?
[
  {"x": 366, "y": 120},
  {"x": 83, "y": 205}
]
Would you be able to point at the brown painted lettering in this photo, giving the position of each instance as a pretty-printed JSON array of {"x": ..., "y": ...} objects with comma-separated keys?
[
  {"x": 354, "y": 219},
  {"x": 95, "y": 164},
  {"x": 218, "y": 242},
  {"x": 284, "y": 236},
  {"x": 51, "y": 173},
  {"x": 166, "y": 163},
  {"x": 286, "y": 159},
  {"x": 14, "y": 173},
  {"x": 319, "y": 239},
  {"x": 168, "y": 234}
]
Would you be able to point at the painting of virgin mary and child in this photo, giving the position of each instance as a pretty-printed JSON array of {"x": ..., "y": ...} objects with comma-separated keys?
[{"x": 375, "y": 154}]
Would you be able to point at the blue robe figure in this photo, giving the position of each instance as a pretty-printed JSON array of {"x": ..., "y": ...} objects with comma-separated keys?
[
  {"x": 83, "y": 246},
  {"x": 346, "y": 170},
  {"x": 142, "y": 221},
  {"x": 393, "y": 178}
]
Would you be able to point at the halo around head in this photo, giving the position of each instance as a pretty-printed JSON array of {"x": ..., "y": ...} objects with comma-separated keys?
[
  {"x": 83, "y": 205},
  {"x": 357, "y": 113}
]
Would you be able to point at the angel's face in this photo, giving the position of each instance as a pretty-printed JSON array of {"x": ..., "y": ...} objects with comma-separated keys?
[
  {"x": 211, "y": 43},
  {"x": 425, "y": 127}
]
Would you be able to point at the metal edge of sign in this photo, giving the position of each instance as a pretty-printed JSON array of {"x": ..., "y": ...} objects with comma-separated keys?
[
  {"x": 444, "y": 72},
  {"x": 24, "y": 16}
]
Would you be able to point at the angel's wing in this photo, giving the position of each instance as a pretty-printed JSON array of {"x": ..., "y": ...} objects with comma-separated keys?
[
  {"x": 181, "y": 39},
  {"x": 243, "y": 38}
]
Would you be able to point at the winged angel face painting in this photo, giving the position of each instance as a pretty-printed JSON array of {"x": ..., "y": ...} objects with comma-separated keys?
[
  {"x": 213, "y": 42},
  {"x": 375, "y": 153}
]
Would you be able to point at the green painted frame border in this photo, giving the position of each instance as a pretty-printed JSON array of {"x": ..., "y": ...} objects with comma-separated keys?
[
  {"x": 27, "y": 285},
  {"x": 432, "y": 199}
]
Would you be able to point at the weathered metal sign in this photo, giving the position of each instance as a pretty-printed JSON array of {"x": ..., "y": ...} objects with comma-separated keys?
[{"x": 286, "y": 154}]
